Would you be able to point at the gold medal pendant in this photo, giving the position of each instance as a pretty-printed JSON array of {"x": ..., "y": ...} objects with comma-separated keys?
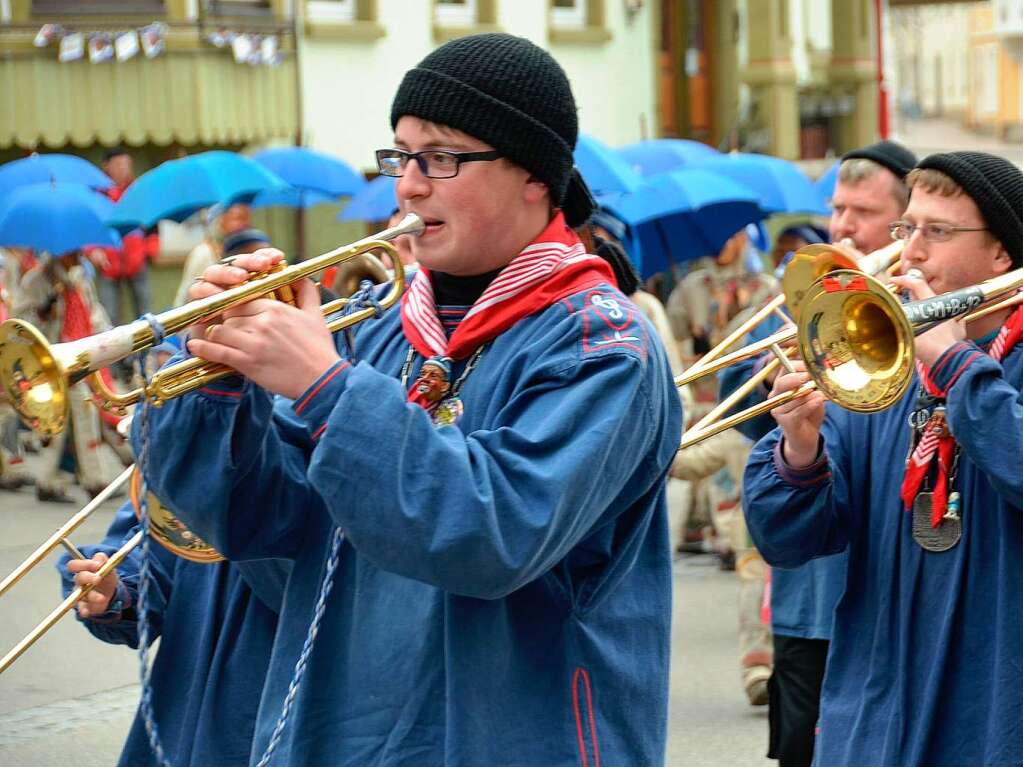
[
  {"x": 945, "y": 535},
  {"x": 448, "y": 412}
]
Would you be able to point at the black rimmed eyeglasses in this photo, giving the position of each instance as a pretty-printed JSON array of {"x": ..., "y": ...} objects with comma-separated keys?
[
  {"x": 433, "y": 163},
  {"x": 936, "y": 231}
]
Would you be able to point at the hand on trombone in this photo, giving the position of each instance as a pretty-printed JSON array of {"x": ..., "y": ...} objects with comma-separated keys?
[
  {"x": 280, "y": 347},
  {"x": 800, "y": 419},
  {"x": 929, "y": 346},
  {"x": 97, "y": 601}
]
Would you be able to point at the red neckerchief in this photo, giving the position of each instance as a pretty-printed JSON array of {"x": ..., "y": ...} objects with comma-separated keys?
[
  {"x": 937, "y": 440},
  {"x": 553, "y": 266}
]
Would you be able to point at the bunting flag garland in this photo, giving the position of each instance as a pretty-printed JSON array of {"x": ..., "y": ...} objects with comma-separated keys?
[
  {"x": 101, "y": 46},
  {"x": 72, "y": 47},
  {"x": 126, "y": 45}
]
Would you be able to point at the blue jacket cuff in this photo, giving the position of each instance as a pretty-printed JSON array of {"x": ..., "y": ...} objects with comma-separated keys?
[
  {"x": 807, "y": 476},
  {"x": 953, "y": 363},
  {"x": 317, "y": 402}
]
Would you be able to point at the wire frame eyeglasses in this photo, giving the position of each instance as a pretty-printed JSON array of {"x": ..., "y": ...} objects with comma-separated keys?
[
  {"x": 433, "y": 163},
  {"x": 936, "y": 231}
]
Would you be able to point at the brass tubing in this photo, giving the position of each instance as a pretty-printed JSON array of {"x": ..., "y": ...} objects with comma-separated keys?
[
  {"x": 783, "y": 336},
  {"x": 59, "y": 537},
  {"x": 700, "y": 367},
  {"x": 692, "y": 436},
  {"x": 69, "y": 602}
]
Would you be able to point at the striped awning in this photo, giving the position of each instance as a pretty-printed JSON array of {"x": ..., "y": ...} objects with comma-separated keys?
[{"x": 193, "y": 97}]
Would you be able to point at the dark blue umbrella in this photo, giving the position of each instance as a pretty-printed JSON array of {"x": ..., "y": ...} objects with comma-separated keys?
[
  {"x": 49, "y": 168},
  {"x": 309, "y": 170},
  {"x": 663, "y": 154},
  {"x": 825, "y": 185},
  {"x": 55, "y": 218},
  {"x": 681, "y": 215},
  {"x": 604, "y": 169},
  {"x": 781, "y": 186},
  {"x": 375, "y": 202},
  {"x": 178, "y": 188}
]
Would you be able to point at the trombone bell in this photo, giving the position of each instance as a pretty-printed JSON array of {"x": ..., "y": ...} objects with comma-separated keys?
[
  {"x": 856, "y": 341},
  {"x": 32, "y": 379}
]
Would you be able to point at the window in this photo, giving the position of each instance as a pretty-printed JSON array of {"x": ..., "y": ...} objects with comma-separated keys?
[
  {"x": 332, "y": 10},
  {"x": 343, "y": 20},
  {"x": 238, "y": 7},
  {"x": 578, "y": 21},
  {"x": 454, "y": 18},
  {"x": 568, "y": 14},
  {"x": 455, "y": 13}
]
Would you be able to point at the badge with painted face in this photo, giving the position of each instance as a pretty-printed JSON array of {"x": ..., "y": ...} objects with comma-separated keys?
[{"x": 434, "y": 379}]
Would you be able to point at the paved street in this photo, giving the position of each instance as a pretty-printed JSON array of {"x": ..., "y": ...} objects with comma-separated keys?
[
  {"x": 73, "y": 695},
  {"x": 926, "y": 136}
]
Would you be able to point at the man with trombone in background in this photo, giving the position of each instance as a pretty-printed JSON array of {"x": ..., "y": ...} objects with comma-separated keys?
[
  {"x": 870, "y": 193},
  {"x": 473, "y": 498},
  {"x": 926, "y": 642}
]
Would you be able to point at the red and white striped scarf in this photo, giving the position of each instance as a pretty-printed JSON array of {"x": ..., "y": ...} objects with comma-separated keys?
[
  {"x": 936, "y": 440},
  {"x": 552, "y": 267}
]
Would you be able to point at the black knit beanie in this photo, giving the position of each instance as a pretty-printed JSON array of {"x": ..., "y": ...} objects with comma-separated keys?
[
  {"x": 513, "y": 95},
  {"x": 894, "y": 157},
  {"x": 996, "y": 185}
]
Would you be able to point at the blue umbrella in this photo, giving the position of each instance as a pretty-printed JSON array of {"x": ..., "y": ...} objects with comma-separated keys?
[
  {"x": 49, "y": 168},
  {"x": 55, "y": 218},
  {"x": 178, "y": 188},
  {"x": 825, "y": 185},
  {"x": 291, "y": 198},
  {"x": 664, "y": 154},
  {"x": 604, "y": 170},
  {"x": 310, "y": 170},
  {"x": 781, "y": 186},
  {"x": 682, "y": 215},
  {"x": 375, "y": 202}
]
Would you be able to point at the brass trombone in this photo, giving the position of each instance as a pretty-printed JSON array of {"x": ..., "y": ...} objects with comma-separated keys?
[
  {"x": 857, "y": 342},
  {"x": 36, "y": 375},
  {"x": 807, "y": 266}
]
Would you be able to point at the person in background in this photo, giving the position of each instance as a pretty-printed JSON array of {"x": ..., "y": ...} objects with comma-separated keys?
[
  {"x": 216, "y": 624},
  {"x": 235, "y": 218},
  {"x": 127, "y": 267},
  {"x": 869, "y": 194},
  {"x": 13, "y": 474},
  {"x": 57, "y": 296}
]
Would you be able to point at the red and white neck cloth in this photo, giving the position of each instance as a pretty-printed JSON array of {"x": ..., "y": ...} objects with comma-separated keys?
[
  {"x": 937, "y": 442},
  {"x": 552, "y": 267}
]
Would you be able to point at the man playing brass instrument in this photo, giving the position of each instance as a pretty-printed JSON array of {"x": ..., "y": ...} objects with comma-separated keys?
[
  {"x": 503, "y": 581},
  {"x": 870, "y": 193},
  {"x": 926, "y": 641}
]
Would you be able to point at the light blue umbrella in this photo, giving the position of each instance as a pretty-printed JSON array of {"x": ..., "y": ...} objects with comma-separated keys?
[
  {"x": 780, "y": 185},
  {"x": 603, "y": 169},
  {"x": 291, "y": 198},
  {"x": 375, "y": 202},
  {"x": 51, "y": 168},
  {"x": 825, "y": 185},
  {"x": 663, "y": 154},
  {"x": 55, "y": 218},
  {"x": 681, "y": 215},
  {"x": 178, "y": 188},
  {"x": 309, "y": 170}
]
